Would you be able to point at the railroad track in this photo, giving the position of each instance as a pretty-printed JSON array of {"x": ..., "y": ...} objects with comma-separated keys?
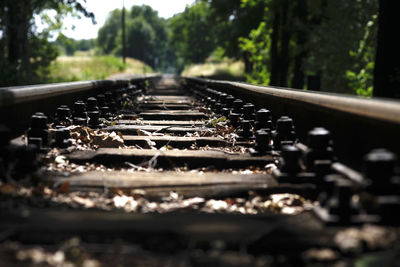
[{"x": 163, "y": 169}]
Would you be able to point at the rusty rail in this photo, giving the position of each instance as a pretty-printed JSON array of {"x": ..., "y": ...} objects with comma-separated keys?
[
  {"x": 23, "y": 101},
  {"x": 357, "y": 124}
]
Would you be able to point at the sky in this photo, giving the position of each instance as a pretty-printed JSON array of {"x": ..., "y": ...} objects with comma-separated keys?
[{"x": 84, "y": 29}]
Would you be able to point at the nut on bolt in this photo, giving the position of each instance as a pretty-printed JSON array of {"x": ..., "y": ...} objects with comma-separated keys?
[
  {"x": 284, "y": 132},
  {"x": 320, "y": 147},
  {"x": 234, "y": 119},
  {"x": 39, "y": 129},
  {"x": 92, "y": 104},
  {"x": 291, "y": 160},
  {"x": 263, "y": 119},
  {"x": 262, "y": 143},
  {"x": 380, "y": 169},
  {"x": 237, "y": 106},
  {"x": 63, "y": 116},
  {"x": 94, "y": 119}
]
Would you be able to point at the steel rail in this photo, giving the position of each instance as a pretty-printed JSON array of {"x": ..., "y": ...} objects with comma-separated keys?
[
  {"x": 357, "y": 124},
  {"x": 22, "y": 94},
  {"x": 381, "y": 109},
  {"x": 18, "y": 103}
]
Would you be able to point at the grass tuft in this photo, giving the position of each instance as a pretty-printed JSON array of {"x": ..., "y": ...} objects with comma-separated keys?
[
  {"x": 86, "y": 67},
  {"x": 223, "y": 68}
]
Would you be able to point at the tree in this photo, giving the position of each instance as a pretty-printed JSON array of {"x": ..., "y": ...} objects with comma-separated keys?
[
  {"x": 330, "y": 41},
  {"x": 387, "y": 63},
  {"x": 146, "y": 36},
  {"x": 301, "y": 52},
  {"x": 26, "y": 53},
  {"x": 232, "y": 20},
  {"x": 192, "y": 34},
  {"x": 69, "y": 46},
  {"x": 141, "y": 41},
  {"x": 109, "y": 31}
]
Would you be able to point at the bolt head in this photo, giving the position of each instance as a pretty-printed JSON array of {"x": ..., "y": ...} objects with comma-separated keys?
[
  {"x": 319, "y": 138},
  {"x": 284, "y": 124},
  {"x": 380, "y": 163},
  {"x": 39, "y": 121},
  {"x": 92, "y": 102},
  {"x": 263, "y": 115},
  {"x": 63, "y": 112}
]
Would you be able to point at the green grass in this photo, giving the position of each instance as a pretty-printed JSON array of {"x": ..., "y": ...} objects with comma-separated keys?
[
  {"x": 83, "y": 67},
  {"x": 226, "y": 68}
]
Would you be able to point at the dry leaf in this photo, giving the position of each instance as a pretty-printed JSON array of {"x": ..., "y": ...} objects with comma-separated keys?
[{"x": 64, "y": 187}]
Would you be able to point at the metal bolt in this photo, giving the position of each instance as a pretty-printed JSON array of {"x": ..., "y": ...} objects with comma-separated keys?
[
  {"x": 63, "y": 115},
  {"x": 108, "y": 96},
  {"x": 246, "y": 129},
  {"x": 39, "y": 121},
  {"x": 62, "y": 136},
  {"x": 223, "y": 99},
  {"x": 341, "y": 202},
  {"x": 80, "y": 121},
  {"x": 94, "y": 117},
  {"x": 263, "y": 139},
  {"x": 217, "y": 96},
  {"x": 218, "y": 108},
  {"x": 291, "y": 160},
  {"x": 229, "y": 101},
  {"x": 284, "y": 132},
  {"x": 212, "y": 102},
  {"x": 248, "y": 111},
  {"x": 263, "y": 119},
  {"x": 319, "y": 143},
  {"x": 39, "y": 128},
  {"x": 234, "y": 119},
  {"x": 92, "y": 104},
  {"x": 35, "y": 142},
  {"x": 225, "y": 112},
  {"x": 80, "y": 109},
  {"x": 237, "y": 106},
  {"x": 208, "y": 101},
  {"x": 284, "y": 125},
  {"x": 105, "y": 113},
  {"x": 322, "y": 168},
  {"x": 319, "y": 138},
  {"x": 380, "y": 166},
  {"x": 101, "y": 100}
]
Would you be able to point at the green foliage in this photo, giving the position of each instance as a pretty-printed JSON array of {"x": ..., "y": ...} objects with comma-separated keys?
[
  {"x": 337, "y": 41},
  {"x": 232, "y": 19},
  {"x": 109, "y": 32},
  {"x": 78, "y": 68},
  {"x": 69, "y": 46},
  {"x": 25, "y": 54},
  {"x": 342, "y": 41},
  {"x": 192, "y": 35},
  {"x": 146, "y": 35},
  {"x": 224, "y": 69},
  {"x": 360, "y": 75},
  {"x": 258, "y": 46}
]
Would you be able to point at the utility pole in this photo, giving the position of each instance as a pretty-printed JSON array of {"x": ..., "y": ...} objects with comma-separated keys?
[{"x": 123, "y": 32}]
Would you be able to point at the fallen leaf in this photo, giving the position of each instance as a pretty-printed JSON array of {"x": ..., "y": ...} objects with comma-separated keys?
[{"x": 64, "y": 187}]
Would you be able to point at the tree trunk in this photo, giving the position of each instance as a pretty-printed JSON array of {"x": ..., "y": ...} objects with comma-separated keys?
[
  {"x": 387, "y": 61},
  {"x": 18, "y": 43},
  {"x": 284, "y": 53},
  {"x": 314, "y": 82},
  {"x": 274, "y": 46},
  {"x": 248, "y": 65},
  {"x": 301, "y": 40}
]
